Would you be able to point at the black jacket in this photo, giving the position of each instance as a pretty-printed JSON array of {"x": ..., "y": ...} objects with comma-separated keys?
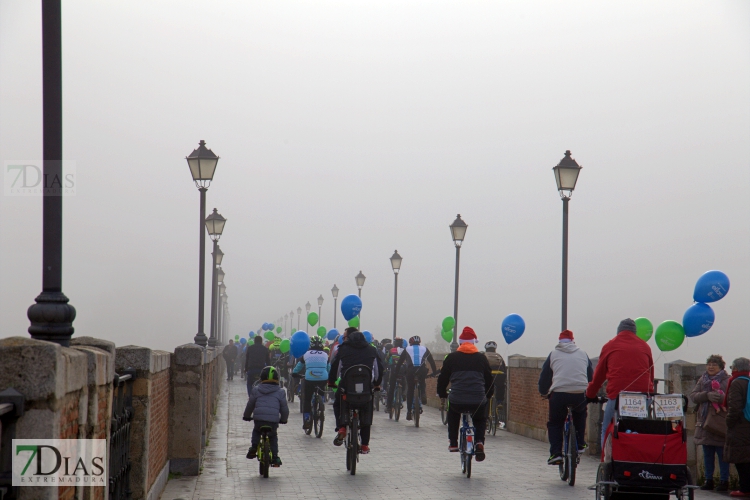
[
  {"x": 469, "y": 376},
  {"x": 356, "y": 351},
  {"x": 229, "y": 353},
  {"x": 257, "y": 356}
]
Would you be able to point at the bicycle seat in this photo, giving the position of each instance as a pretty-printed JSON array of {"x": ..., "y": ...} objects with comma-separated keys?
[
  {"x": 266, "y": 428},
  {"x": 498, "y": 372}
]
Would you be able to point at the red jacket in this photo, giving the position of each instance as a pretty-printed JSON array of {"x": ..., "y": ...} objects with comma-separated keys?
[{"x": 627, "y": 365}]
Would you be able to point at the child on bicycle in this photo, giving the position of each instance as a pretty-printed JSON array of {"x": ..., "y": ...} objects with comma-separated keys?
[
  {"x": 267, "y": 407},
  {"x": 565, "y": 375}
]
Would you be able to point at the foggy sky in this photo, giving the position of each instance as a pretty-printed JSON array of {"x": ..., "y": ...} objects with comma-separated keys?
[{"x": 349, "y": 129}]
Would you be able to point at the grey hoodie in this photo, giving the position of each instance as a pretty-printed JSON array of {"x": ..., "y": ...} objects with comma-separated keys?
[
  {"x": 567, "y": 369},
  {"x": 267, "y": 403}
]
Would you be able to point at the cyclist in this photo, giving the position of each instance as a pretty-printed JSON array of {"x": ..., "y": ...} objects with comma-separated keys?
[
  {"x": 468, "y": 373},
  {"x": 256, "y": 358},
  {"x": 354, "y": 351},
  {"x": 565, "y": 375},
  {"x": 497, "y": 364},
  {"x": 414, "y": 363},
  {"x": 626, "y": 364},
  {"x": 314, "y": 364},
  {"x": 267, "y": 406}
]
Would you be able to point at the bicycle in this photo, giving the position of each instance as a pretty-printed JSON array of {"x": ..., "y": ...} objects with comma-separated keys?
[
  {"x": 571, "y": 458},
  {"x": 466, "y": 444},
  {"x": 352, "y": 442},
  {"x": 291, "y": 388},
  {"x": 317, "y": 413},
  {"x": 416, "y": 403},
  {"x": 264, "y": 451},
  {"x": 397, "y": 403}
]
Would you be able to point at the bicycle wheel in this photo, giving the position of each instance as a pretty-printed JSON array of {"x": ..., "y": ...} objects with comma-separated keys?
[
  {"x": 416, "y": 406},
  {"x": 572, "y": 455},
  {"x": 301, "y": 398},
  {"x": 444, "y": 414},
  {"x": 320, "y": 417},
  {"x": 397, "y": 403},
  {"x": 313, "y": 416},
  {"x": 266, "y": 456},
  {"x": 603, "y": 491},
  {"x": 564, "y": 466},
  {"x": 468, "y": 466},
  {"x": 492, "y": 421},
  {"x": 290, "y": 390},
  {"x": 355, "y": 443}
]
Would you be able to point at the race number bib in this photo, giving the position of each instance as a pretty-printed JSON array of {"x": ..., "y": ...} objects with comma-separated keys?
[
  {"x": 633, "y": 405},
  {"x": 668, "y": 406}
]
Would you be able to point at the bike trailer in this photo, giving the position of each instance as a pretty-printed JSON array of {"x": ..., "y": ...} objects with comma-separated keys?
[{"x": 356, "y": 386}]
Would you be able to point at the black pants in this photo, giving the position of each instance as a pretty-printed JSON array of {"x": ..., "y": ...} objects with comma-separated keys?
[
  {"x": 558, "y": 411},
  {"x": 743, "y": 470},
  {"x": 273, "y": 436},
  {"x": 478, "y": 418},
  {"x": 230, "y": 370},
  {"x": 309, "y": 390},
  {"x": 364, "y": 430},
  {"x": 411, "y": 378}
]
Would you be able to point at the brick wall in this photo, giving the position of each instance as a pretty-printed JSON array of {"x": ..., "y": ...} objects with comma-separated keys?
[
  {"x": 527, "y": 410},
  {"x": 158, "y": 436}
]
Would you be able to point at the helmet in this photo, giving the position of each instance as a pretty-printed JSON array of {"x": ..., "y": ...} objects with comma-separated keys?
[
  {"x": 388, "y": 346},
  {"x": 316, "y": 343},
  {"x": 385, "y": 341},
  {"x": 490, "y": 345},
  {"x": 269, "y": 373},
  {"x": 415, "y": 340},
  {"x": 398, "y": 342}
]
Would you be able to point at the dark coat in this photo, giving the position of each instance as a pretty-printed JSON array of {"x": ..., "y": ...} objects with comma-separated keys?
[
  {"x": 257, "y": 357},
  {"x": 355, "y": 351},
  {"x": 267, "y": 403},
  {"x": 229, "y": 353},
  {"x": 700, "y": 398},
  {"x": 737, "y": 446},
  {"x": 469, "y": 376}
]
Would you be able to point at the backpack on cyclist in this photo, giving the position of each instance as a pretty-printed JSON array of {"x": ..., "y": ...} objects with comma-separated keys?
[{"x": 356, "y": 386}]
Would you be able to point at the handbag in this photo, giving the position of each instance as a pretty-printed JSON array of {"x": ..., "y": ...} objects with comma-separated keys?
[{"x": 716, "y": 423}]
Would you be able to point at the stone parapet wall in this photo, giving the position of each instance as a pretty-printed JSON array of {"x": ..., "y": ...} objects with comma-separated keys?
[{"x": 527, "y": 410}]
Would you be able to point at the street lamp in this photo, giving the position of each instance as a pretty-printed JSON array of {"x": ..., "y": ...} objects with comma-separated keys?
[
  {"x": 396, "y": 265},
  {"x": 202, "y": 163},
  {"x": 320, "y": 307},
  {"x": 566, "y": 176},
  {"x": 335, "y": 293},
  {"x": 458, "y": 232},
  {"x": 222, "y": 289},
  {"x": 51, "y": 317},
  {"x": 360, "y": 279},
  {"x": 299, "y": 315},
  {"x": 291, "y": 321},
  {"x": 286, "y": 317},
  {"x": 307, "y": 308},
  {"x": 215, "y": 226}
]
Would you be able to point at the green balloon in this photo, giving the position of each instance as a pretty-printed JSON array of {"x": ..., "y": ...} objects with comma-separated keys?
[
  {"x": 447, "y": 336},
  {"x": 644, "y": 329},
  {"x": 294, "y": 330},
  {"x": 669, "y": 336},
  {"x": 312, "y": 318},
  {"x": 284, "y": 346},
  {"x": 322, "y": 331},
  {"x": 269, "y": 335},
  {"x": 354, "y": 322},
  {"x": 448, "y": 324},
  {"x": 278, "y": 329},
  {"x": 236, "y": 337}
]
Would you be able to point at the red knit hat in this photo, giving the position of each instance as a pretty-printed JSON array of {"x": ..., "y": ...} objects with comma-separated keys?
[
  {"x": 468, "y": 335},
  {"x": 566, "y": 334}
]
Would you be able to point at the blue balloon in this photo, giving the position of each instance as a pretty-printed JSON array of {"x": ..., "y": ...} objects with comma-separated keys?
[
  {"x": 698, "y": 319},
  {"x": 332, "y": 334},
  {"x": 513, "y": 327},
  {"x": 270, "y": 326},
  {"x": 299, "y": 344},
  {"x": 265, "y": 326},
  {"x": 406, "y": 344},
  {"x": 243, "y": 341},
  {"x": 368, "y": 336},
  {"x": 712, "y": 286},
  {"x": 351, "y": 306}
]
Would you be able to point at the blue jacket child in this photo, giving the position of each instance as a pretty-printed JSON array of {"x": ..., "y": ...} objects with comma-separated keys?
[{"x": 267, "y": 407}]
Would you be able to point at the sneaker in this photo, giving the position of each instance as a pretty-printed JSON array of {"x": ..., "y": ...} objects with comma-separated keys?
[
  {"x": 276, "y": 462},
  {"x": 723, "y": 486},
  {"x": 453, "y": 449},
  {"x": 364, "y": 449},
  {"x": 479, "y": 453},
  {"x": 708, "y": 485},
  {"x": 741, "y": 494},
  {"x": 555, "y": 459},
  {"x": 251, "y": 453},
  {"x": 307, "y": 424},
  {"x": 583, "y": 449},
  {"x": 408, "y": 415},
  {"x": 340, "y": 436}
]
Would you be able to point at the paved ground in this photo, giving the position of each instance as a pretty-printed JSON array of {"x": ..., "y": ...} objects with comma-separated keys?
[{"x": 405, "y": 462}]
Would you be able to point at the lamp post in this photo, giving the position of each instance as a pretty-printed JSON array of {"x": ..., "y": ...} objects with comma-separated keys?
[
  {"x": 566, "y": 176},
  {"x": 396, "y": 265},
  {"x": 51, "y": 317},
  {"x": 286, "y": 317},
  {"x": 222, "y": 289},
  {"x": 215, "y": 226},
  {"x": 360, "y": 280},
  {"x": 458, "y": 232},
  {"x": 202, "y": 163},
  {"x": 320, "y": 308},
  {"x": 291, "y": 321},
  {"x": 214, "y": 321},
  {"x": 299, "y": 316},
  {"x": 335, "y": 293},
  {"x": 218, "y": 256},
  {"x": 307, "y": 308}
]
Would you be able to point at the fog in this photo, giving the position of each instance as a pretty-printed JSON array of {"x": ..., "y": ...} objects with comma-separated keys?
[{"x": 349, "y": 129}]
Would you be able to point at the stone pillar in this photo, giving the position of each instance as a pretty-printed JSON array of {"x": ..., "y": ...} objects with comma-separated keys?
[
  {"x": 149, "y": 438},
  {"x": 681, "y": 378},
  {"x": 187, "y": 409},
  {"x": 527, "y": 411}
]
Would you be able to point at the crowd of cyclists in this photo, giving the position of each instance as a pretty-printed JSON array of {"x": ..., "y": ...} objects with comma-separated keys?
[{"x": 467, "y": 381}]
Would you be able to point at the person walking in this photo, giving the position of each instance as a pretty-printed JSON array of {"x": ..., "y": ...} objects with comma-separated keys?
[
  {"x": 229, "y": 353},
  {"x": 626, "y": 364},
  {"x": 737, "y": 445},
  {"x": 257, "y": 357},
  {"x": 708, "y": 395},
  {"x": 565, "y": 376}
]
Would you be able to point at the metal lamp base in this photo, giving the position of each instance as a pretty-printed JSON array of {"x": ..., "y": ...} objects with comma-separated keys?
[{"x": 52, "y": 318}]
